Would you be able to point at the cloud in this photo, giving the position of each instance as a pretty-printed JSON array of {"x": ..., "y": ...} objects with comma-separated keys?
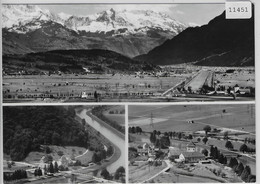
[{"x": 167, "y": 8}]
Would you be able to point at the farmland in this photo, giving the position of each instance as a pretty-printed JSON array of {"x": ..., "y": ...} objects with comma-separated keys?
[
  {"x": 171, "y": 84},
  {"x": 58, "y": 88},
  {"x": 164, "y": 117},
  {"x": 164, "y": 132}
]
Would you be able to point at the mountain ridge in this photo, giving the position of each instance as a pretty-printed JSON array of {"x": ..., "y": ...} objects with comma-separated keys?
[
  {"x": 130, "y": 33},
  {"x": 221, "y": 42}
]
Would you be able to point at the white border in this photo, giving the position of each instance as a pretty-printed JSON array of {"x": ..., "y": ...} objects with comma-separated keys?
[{"x": 257, "y": 60}]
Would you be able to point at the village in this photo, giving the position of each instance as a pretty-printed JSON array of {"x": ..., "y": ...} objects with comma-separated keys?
[{"x": 206, "y": 154}]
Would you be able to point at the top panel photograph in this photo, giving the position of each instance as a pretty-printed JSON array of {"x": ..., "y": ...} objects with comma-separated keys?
[{"x": 126, "y": 53}]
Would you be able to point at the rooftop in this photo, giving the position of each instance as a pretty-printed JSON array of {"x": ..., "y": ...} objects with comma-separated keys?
[
  {"x": 191, "y": 144},
  {"x": 192, "y": 154}
]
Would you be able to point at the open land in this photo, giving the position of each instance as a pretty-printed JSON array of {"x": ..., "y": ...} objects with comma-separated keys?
[{"x": 170, "y": 84}]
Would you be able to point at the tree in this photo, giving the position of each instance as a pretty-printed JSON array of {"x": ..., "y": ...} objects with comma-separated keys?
[
  {"x": 251, "y": 178},
  {"x": 179, "y": 135},
  {"x": 56, "y": 168},
  {"x": 51, "y": 168},
  {"x": 39, "y": 171},
  {"x": 95, "y": 158},
  {"x": 243, "y": 148},
  {"x": 158, "y": 143},
  {"x": 221, "y": 159},
  {"x": 205, "y": 140},
  {"x": 190, "y": 136},
  {"x": 226, "y": 135},
  {"x": 229, "y": 145},
  {"x": 198, "y": 139},
  {"x": 152, "y": 138},
  {"x": 239, "y": 169},
  {"x": 119, "y": 172},
  {"x": 56, "y": 140},
  {"x": 110, "y": 151},
  {"x": 246, "y": 172},
  {"x": 103, "y": 154},
  {"x": 233, "y": 163},
  {"x": 105, "y": 174},
  {"x": 45, "y": 170},
  {"x": 60, "y": 153},
  {"x": 205, "y": 152},
  {"x": 207, "y": 129}
]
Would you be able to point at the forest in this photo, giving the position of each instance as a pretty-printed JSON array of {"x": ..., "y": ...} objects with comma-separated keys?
[{"x": 27, "y": 127}]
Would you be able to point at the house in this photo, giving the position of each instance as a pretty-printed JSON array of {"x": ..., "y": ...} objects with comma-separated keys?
[
  {"x": 191, "y": 147},
  {"x": 191, "y": 157},
  {"x": 174, "y": 153},
  {"x": 145, "y": 146}
]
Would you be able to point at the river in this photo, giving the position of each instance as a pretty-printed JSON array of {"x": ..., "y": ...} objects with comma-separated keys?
[{"x": 110, "y": 135}]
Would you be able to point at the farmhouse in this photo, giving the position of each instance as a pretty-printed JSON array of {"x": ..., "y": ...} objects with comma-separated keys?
[
  {"x": 174, "y": 153},
  {"x": 191, "y": 157},
  {"x": 191, "y": 147}
]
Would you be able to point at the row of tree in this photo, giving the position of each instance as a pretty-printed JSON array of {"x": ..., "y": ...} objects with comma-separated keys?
[
  {"x": 98, "y": 112},
  {"x": 133, "y": 130},
  {"x": 243, "y": 148},
  {"x": 16, "y": 175},
  {"x": 217, "y": 155},
  {"x": 160, "y": 141},
  {"x": 249, "y": 140},
  {"x": 243, "y": 171},
  {"x": 102, "y": 154},
  {"x": 119, "y": 174}
]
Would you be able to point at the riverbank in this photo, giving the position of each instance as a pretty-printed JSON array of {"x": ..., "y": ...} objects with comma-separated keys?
[{"x": 114, "y": 136}]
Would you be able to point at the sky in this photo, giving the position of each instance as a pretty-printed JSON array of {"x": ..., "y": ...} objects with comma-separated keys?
[{"x": 197, "y": 14}]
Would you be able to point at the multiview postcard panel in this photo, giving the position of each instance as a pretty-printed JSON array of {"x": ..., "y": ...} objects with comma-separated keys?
[
  {"x": 192, "y": 144},
  {"x": 126, "y": 52},
  {"x": 64, "y": 144}
]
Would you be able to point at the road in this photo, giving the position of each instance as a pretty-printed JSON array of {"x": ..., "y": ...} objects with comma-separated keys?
[
  {"x": 169, "y": 165},
  {"x": 198, "y": 81},
  {"x": 82, "y": 154}
]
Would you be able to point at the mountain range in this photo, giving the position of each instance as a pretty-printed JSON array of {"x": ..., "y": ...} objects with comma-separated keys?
[
  {"x": 221, "y": 42},
  {"x": 28, "y": 28}
]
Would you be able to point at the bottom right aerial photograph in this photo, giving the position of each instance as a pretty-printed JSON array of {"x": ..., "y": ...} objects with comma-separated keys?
[{"x": 195, "y": 143}]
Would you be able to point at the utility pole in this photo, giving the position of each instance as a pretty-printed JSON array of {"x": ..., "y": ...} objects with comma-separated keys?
[{"x": 151, "y": 120}]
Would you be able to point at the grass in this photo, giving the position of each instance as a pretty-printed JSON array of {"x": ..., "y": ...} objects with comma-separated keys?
[
  {"x": 89, "y": 83},
  {"x": 236, "y": 117},
  {"x": 35, "y": 157},
  {"x": 141, "y": 171},
  {"x": 117, "y": 117}
]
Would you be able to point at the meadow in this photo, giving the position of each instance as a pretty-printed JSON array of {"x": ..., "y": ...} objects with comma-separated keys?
[{"x": 175, "y": 117}]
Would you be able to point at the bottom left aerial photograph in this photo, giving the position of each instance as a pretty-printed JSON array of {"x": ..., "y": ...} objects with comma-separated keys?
[{"x": 64, "y": 144}]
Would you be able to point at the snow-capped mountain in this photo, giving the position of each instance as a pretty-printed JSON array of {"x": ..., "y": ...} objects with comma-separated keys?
[{"x": 110, "y": 25}]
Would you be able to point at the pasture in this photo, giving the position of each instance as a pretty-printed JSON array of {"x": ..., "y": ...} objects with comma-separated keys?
[
  {"x": 237, "y": 117},
  {"x": 70, "y": 85}
]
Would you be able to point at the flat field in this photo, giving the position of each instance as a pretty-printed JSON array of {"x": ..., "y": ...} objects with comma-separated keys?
[
  {"x": 175, "y": 117},
  {"x": 75, "y": 84},
  {"x": 117, "y": 114}
]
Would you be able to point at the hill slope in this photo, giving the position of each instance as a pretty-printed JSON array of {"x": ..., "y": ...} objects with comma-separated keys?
[
  {"x": 72, "y": 61},
  {"x": 221, "y": 42}
]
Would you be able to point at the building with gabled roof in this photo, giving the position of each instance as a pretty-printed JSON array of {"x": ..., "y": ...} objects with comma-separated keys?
[
  {"x": 191, "y": 147},
  {"x": 191, "y": 157}
]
